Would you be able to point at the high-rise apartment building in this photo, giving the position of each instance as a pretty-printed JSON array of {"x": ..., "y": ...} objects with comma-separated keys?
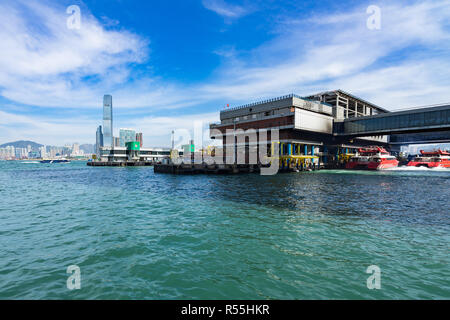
[
  {"x": 116, "y": 141},
  {"x": 126, "y": 135},
  {"x": 108, "y": 138},
  {"x": 140, "y": 139},
  {"x": 76, "y": 149},
  {"x": 43, "y": 151}
]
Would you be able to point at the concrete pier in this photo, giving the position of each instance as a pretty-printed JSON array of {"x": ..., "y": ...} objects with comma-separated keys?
[
  {"x": 120, "y": 163},
  {"x": 216, "y": 168}
]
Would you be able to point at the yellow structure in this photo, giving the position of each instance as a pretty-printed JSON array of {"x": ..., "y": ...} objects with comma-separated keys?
[
  {"x": 294, "y": 160},
  {"x": 174, "y": 154},
  {"x": 343, "y": 158}
]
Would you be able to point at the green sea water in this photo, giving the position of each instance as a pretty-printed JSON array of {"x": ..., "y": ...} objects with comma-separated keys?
[{"x": 139, "y": 235}]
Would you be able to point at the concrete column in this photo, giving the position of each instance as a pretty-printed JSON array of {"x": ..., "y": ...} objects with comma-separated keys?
[{"x": 306, "y": 149}]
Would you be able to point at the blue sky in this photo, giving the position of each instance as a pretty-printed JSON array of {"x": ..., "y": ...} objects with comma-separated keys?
[{"x": 170, "y": 63}]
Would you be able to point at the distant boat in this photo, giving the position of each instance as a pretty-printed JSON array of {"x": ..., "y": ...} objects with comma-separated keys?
[
  {"x": 55, "y": 161},
  {"x": 431, "y": 159},
  {"x": 372, "y": 158}
]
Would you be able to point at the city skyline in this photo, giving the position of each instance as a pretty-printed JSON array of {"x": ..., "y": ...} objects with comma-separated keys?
[
  {"x": 75, "y": 150},
  {"x": 167, "y": 73}
]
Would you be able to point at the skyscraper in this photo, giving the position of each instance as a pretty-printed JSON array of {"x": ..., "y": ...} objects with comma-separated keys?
[
  {"x": 75, "y": 150},
  {"x": 98, "y": 141},
  {"x": 107, "y": 121},
  {"x": 126, "y": 135},
  {"x": 43, "y": 152},
  {"x": 140, "y": 139}
]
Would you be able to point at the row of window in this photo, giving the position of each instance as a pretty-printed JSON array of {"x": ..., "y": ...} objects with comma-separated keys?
[
  {"x": 422, "y": 119},
  {"x": 260, "y": 115}
]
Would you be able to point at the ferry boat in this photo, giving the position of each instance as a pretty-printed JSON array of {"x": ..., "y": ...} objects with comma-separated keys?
[
  {"x": 372, "y": 158},
  {"x": 431, "y": 159},
  {"x": 54, "y": 161}
]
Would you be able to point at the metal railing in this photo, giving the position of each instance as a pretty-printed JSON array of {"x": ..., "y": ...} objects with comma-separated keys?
[{"x": 292, "y": 95}]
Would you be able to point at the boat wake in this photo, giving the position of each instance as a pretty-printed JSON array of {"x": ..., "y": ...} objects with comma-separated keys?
[{"x": 409, "y": 168}]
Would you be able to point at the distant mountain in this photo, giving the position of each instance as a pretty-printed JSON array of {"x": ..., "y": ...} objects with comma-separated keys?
[{"x": 22, "y": 144}]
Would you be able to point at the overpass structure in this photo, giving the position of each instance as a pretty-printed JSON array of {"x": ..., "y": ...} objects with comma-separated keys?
[{"x": 420, "y": 125}]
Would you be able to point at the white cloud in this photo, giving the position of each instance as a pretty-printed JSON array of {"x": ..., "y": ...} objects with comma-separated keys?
[
  {"x": 327, "y": 52},
  {"x": 156, "y": 129},
  {"x": 46, "y": 130},
  {"x": 408, "y": 84},
  {"x": 403, "y": 64},
  {"x": 50, "y": 68},
  {"x": 42, "y": 62},
  {"x": 225, "y": 9}
]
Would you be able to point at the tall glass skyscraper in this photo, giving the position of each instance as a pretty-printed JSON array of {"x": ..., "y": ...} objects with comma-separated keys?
[
  {"x": 98, "y": 140},
  {"x": 107, "y": 121}
]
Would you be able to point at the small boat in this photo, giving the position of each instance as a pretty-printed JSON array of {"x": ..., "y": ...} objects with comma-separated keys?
[
  {"x": 431, "y": 159},
  {"x": 372, "y": 158},
  {"x": 54, "y": 161}
]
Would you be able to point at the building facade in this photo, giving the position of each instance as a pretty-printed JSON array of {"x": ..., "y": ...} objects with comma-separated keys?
[
  {"x": 108, "y": 138},
  {"x": 133, "y": 152},
  {"x": 140, "y": 139},
  {"x": 126, "y": 135},
  {"x": 116, "y": 142},
  {"x": 98, "y": 141},
  {"x": 305, "y": 128}
]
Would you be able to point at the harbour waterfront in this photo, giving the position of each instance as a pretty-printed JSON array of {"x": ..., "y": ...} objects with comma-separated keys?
[{"x": 138, "y": 235}]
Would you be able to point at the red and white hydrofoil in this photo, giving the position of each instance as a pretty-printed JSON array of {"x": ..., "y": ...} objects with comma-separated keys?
[
  {"x": 372, "y": 158},
  {"x": 431, "y": 159}
]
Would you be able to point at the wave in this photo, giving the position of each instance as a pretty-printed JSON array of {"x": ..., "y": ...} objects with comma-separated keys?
[{"x": 407, "y": 168}]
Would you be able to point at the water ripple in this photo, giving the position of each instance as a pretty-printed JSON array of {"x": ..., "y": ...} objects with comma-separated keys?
[{"x": 137, "y": 235}]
